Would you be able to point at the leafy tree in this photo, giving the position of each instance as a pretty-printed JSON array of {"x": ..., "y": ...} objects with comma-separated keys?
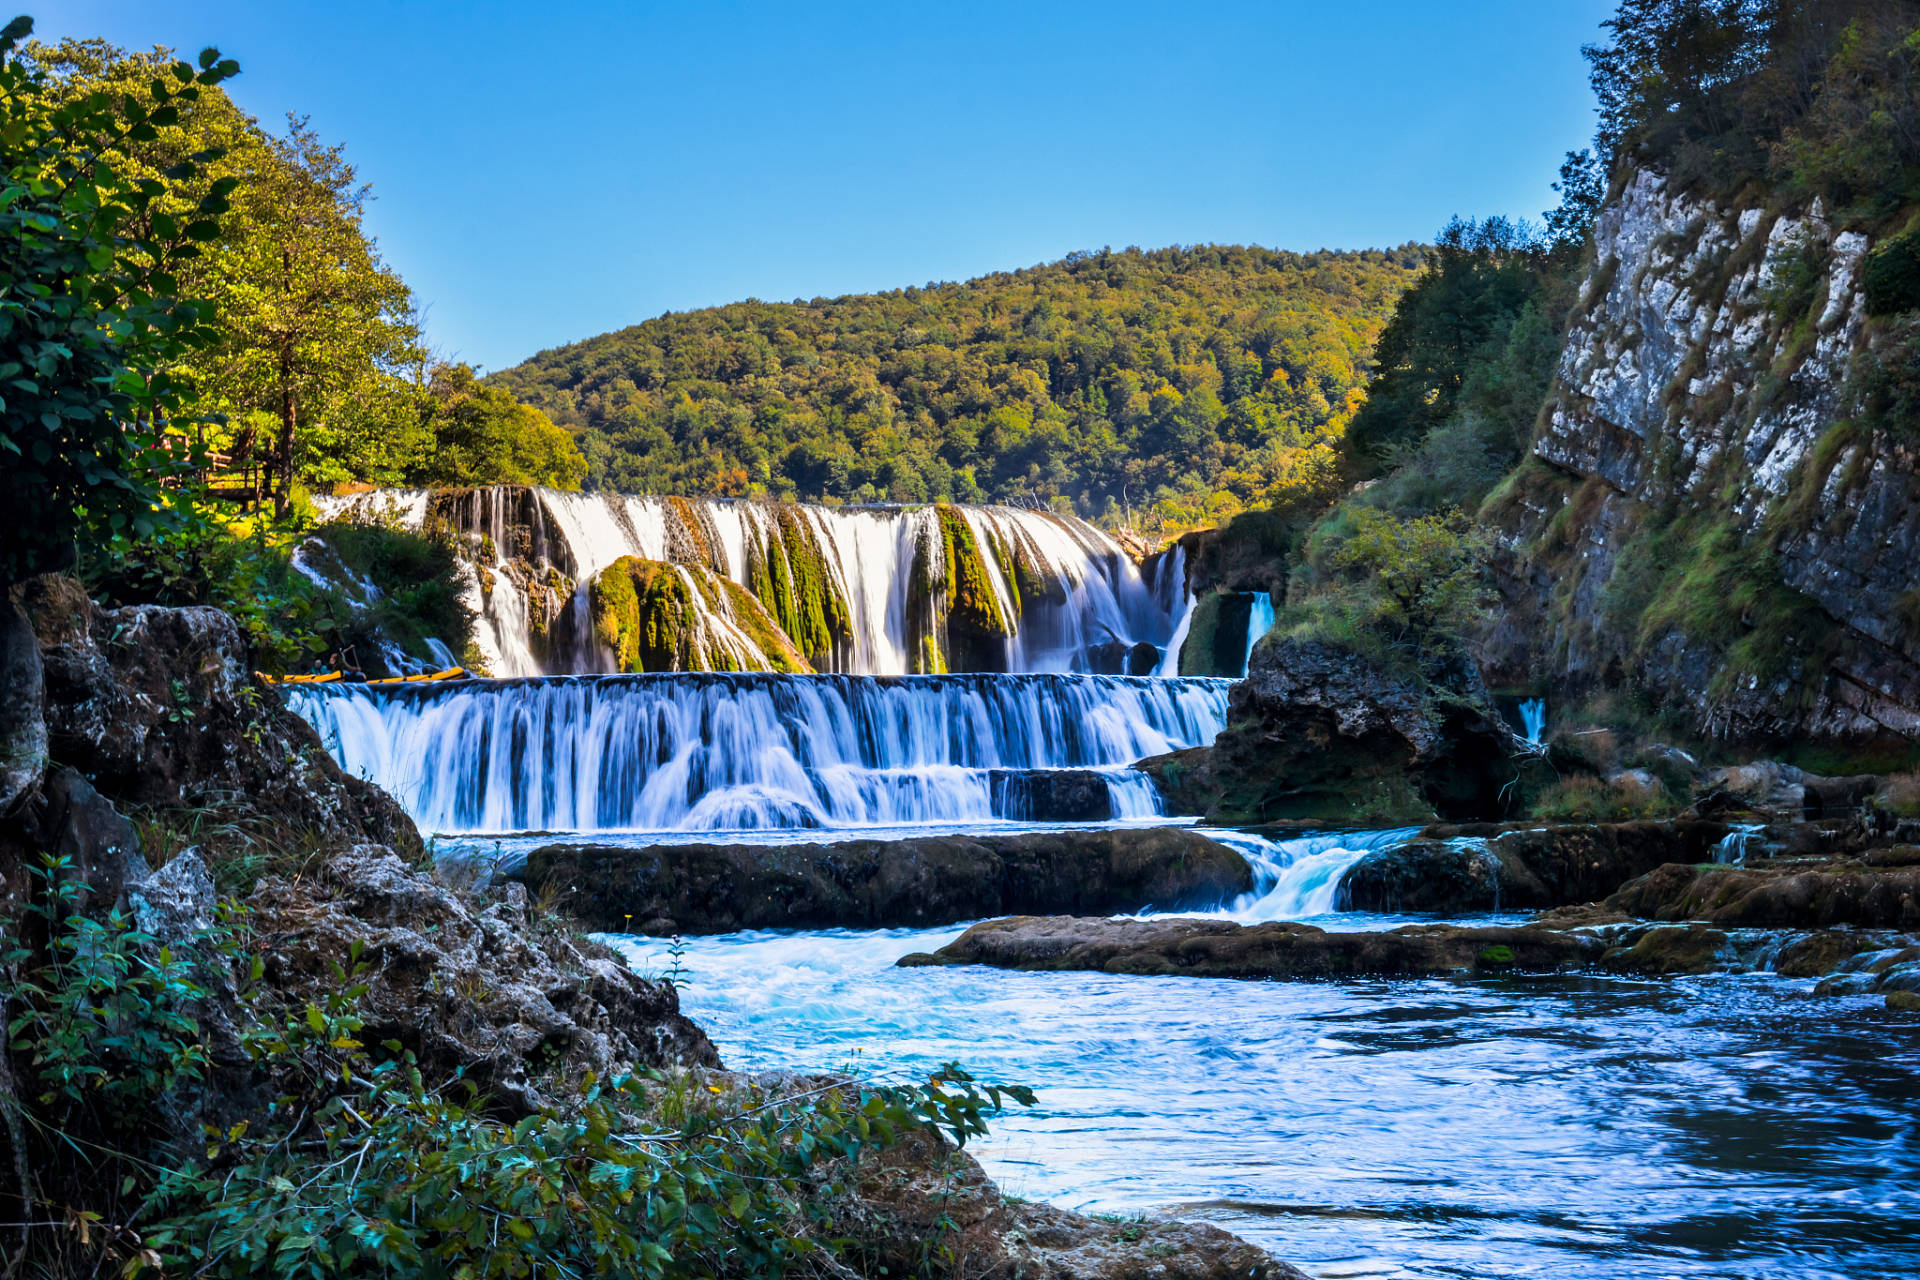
[
  {"x": 1482, "y": 276},
  {"x": 481, "y": 435},
  {"x": 92, "y": 322},
  {"x": 312, "y": 376},
  {"x": 1813, "y": 95}
]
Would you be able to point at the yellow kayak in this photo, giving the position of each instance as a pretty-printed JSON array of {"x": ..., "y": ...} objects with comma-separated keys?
[{"x": 451, "y": 673}]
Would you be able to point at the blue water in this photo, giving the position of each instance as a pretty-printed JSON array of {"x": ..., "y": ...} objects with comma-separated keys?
[{"x": 1589, "y": 1128}]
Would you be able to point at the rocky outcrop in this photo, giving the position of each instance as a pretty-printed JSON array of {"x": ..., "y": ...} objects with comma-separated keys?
[
  {"x": 1201, "y": 948},
  {"x": 924, "y": 1198},
  {"x": 1052, "y": 795},
  {"x": 1319, "y": 732},
  {"x": 160, "y": 707},
  {"x": 519, "y": 1004},
  {"x": 1838, "y": 893},
  {"x": 23, "y": 726},
  {"x": 1707, "y": 516},
  {"x": 1465, "y": 869},
  {"x": 866, "y": 884}
]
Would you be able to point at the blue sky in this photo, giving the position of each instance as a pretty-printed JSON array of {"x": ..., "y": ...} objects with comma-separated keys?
[{"x": 543, "y": 173}]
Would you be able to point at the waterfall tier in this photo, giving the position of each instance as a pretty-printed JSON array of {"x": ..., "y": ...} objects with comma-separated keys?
[
  {"x": 721, "y": 752},
  {"x": 570, "y": 583}
]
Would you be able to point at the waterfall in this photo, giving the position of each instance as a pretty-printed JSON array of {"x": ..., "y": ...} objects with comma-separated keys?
[
  {"x": 1301, "y": 877},
  {"x": 718, "y": 752},
  {"x": 1259, "y": 622},
  {"x": 1533, "y": 714},
  {"x": 864, "y": 590}
]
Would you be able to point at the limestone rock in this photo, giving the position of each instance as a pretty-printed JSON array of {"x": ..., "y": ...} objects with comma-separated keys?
[
  {"x": 923, "y": 1193},
  {"x": 1211, "y": 948},
  {"x": 1318, "y": 732},
  {"x": 866, "y": 884},
  {"x": 1521, "y": 867},
  {"x": 485, "y": 988},
  {"x": 160, "y": 707}
]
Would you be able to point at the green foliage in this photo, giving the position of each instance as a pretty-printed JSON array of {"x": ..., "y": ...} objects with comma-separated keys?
[
  {"x": 1399, "y": 591},
  {"x": 314, "y": 334},
  {"x": 1888, "y": 378},
  {"x": 1818, "y": 96},
  {"x": 420, "y": 592},
  {"x": 92, "y": 318},
  {"x": 1477, "y": 310},
  {"x": 1584, "y": 798},
  {"x": 1202, "y": 379},
  {"x": 482, "y": 435},
  {"x": 195, "y": 558},
  {"x": 349, "y": 1162},
  {"x": 1892, "y": 276},
  {"x": 246, "y": 569}
]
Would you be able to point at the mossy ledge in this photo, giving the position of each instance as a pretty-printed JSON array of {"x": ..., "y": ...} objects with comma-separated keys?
[{"x": 655, "y": 616}]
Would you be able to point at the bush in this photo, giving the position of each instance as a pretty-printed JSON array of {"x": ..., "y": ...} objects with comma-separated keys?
[
  {"x": 1892, "y": 276},
  {"x": 352, "y": 1163},
  {"x": 1588, "y": 799}
]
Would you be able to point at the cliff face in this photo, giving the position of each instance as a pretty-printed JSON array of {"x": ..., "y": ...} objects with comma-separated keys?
[{"x": 1706, "y": 516}]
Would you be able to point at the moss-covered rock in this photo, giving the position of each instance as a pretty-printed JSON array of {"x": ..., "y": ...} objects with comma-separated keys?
[
  {"x": 977, "y": 627},
  {"x": 787, "y": 572},
  {"x": 655, "y": 616},
  {"x": 1318, "y": 732}
]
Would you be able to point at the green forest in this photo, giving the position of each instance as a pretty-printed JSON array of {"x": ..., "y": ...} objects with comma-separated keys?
[{"x": 1179, "y": 386}]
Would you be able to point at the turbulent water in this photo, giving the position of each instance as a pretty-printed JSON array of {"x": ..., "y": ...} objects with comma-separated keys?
[
  {"x": 1092, "y": 593},
  {"x": 745, "y": 752},
  {"x": 1554, "y": 1128}
]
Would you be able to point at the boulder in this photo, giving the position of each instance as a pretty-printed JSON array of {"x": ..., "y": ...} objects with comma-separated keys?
[
  {"x": 1493, "y": 868},
  {"x": 23, "y": 725},
  {"x": 1823, "y": 895},
  {"x": 160, "y": 707},
  {"x": 923, "y": 1192},
  {"x": 1319, "y": 732},
  {"x": 1211, "y": 948},
  {"x": 480, "y": 987},
  {"x": 69, "y": 819},
  {"x": 1051, "y": 795},
  {"x": 872, "y": 884}
]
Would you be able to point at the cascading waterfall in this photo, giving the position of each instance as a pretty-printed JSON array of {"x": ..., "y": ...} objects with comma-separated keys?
[
  {"x": 1301, "y": 877},
  {"x": 716, "y": 752},
  {"x": 1260, "y": 619},
  {"x": 866, "y": 590},
  {"x": 1533, "y": 715}
]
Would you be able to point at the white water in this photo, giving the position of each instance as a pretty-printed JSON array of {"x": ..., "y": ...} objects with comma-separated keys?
[
  {"x": 1095, "y": 596},
  {"x": 1533, "y": 714},
  {"x": 1259, "y": 622},
  {"x": 747, "y": 752}
]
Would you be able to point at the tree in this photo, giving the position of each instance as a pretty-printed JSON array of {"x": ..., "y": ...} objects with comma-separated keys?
[
  {"x": 315, "y": 371},
  {"x": 482, "y": 435},
  {"x": 92, "y": 324},
  {"x": 316, "y": 330}
]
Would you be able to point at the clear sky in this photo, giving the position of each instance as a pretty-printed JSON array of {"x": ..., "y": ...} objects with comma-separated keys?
[{"x": 546, "y": 172}]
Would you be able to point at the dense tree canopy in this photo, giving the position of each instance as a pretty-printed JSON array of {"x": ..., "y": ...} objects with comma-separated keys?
[
  {"x": 1819, "y": 96},
  {"x": 1203, "y": 379},
  {"x": 91, "y": 313},
  {"x": 317, "y": 372}
]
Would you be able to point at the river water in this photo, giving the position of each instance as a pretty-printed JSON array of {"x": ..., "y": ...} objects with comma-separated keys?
[{"x": 1732, "y": 1126}]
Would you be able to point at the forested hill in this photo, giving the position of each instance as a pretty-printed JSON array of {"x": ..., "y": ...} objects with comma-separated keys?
[{"x": 1185, "y": 382}]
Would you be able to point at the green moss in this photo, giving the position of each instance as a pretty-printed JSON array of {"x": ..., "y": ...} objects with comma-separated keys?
[
  {"x": 973, "y": 604},
  {"x": 788, "y": 574},
  {"x": 656, "y": 616}
]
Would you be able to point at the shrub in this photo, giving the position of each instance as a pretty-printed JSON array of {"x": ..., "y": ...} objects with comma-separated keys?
[
  {"x": 355, "y": 1164},
  {"x": 1892, "y": 276},
  {"x": 1589, "y": 799}
]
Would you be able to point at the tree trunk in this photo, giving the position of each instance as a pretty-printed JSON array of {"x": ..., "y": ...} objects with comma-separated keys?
[{"x": 289, "y": 420}]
